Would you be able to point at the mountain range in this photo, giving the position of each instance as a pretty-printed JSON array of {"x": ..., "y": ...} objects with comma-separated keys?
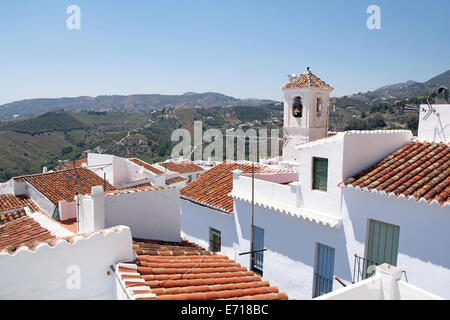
[
  {"x": 138, "y": 103},
  {"x": 142, "y": 103},
  {"x": 406, "y": 89}
]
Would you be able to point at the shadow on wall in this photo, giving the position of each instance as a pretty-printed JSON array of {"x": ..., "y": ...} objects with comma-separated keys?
[
  {"x": 295, "y": 237},
  {"x": 192, "y": 213},
  {"x": 423, "y": 228}
]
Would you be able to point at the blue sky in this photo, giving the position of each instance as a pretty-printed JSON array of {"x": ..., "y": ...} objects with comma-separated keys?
[{"x": 240, "y": 48}]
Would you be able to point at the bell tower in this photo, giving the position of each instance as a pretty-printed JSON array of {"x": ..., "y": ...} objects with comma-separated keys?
[{"x": 306, "y": 100}]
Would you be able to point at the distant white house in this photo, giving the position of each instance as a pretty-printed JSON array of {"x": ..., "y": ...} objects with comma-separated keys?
[
  {"x": 184, "y": 167},
  {"x": 358, "y": 199},
  {"x": 126, "y": 173}
]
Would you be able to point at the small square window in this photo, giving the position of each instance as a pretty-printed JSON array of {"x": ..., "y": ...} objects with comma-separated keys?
[
  {"x": 320, "y": 174},
  {"x": 215, "y": 240}
]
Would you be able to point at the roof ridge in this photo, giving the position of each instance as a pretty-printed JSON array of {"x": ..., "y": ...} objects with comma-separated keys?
[{"x": 48, "y": 173}]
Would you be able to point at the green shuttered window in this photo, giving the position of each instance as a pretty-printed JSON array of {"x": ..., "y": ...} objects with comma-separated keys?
[{"x": 320, "y": 174}]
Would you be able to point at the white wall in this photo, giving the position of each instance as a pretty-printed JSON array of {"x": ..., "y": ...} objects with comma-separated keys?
[
  {"x": 50, "y": 271},
  {"x": 291, "y": 243},
  {"x": 150, "y": 214},
  {"x": 435, "y": 127},
  {"x": 100, "y": 164},
  {"x": 67, "y": 210},
  {"x": 326, "y": 202},
  {"x": 386, "y": 284},
  {"x": 40, "y": 200},
  {"x": 196, "y": 221},
  {"x": 424, "y": 238},
  {"x": 363, "y": 149}
]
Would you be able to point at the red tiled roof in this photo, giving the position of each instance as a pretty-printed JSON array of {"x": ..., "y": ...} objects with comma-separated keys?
[
  {"x": 146, "y": 165},
  {"x": 10, "y": 202},
  {"x": 181, "y": 166},
  {"x": 141, "y": 187},
  {"x": 74, "y": 164},
  {"x": 419, "y": 169},
  {"x": 22, "y": 231},
  {"x": 184, "y": 271},
  {"x": 175, "y": 180},
  {"x": 62, "y": 185},
  {"x": 212, "y": 187},
  {"x": 307, "y": 80},
  {"x": 12, "y": 215}
]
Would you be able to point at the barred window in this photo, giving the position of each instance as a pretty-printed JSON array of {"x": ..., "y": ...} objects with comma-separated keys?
[{"x": 258, "y": 244}]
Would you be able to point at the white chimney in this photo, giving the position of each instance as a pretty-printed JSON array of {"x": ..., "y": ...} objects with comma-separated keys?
[
  {"x": 98, "y": 206},
  {"x": 44, "y": 170},
  {"x": 91, "y": 211},
  {"x": 389, "y": 276}
]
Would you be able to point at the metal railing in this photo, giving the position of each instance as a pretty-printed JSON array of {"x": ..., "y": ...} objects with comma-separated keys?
[{"x": 362, "y": 269}]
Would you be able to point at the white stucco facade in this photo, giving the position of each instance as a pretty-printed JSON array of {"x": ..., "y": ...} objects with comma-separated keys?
[
  {"x": 295, "y": 218},
  {"x": 150, "y": 214},
  {"x": 386, "y": 284},
  {"x": 77, "y": 270},
  {"x": 197, "y": 220},
  {"x": 434, "y": 124}
]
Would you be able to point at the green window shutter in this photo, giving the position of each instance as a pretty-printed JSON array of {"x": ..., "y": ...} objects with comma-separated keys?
[
  {"x": 320, "y": 174},
  {"x": 382, "y": 244}
]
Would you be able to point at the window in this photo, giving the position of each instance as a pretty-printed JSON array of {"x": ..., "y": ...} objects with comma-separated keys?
[
  {"x": 215, "y": 240},
  {"x": 323, "y": 270},
  {"x": 319, "y": 107},
  {"x": 257, "y": 258},
  {"x": 320, "y": 174},
  {"x": 297, "y": 107}
]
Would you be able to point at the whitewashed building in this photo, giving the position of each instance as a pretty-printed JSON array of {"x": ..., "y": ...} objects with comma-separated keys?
[
  {"x": 358, "y": 199},
  {"x": 184, "y": 167},
  {"x": 385, "y": 284}
]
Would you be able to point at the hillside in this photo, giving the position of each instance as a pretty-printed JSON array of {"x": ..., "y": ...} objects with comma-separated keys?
[
  {"x": 130, "y": 104},
  {"x": 405, "y": 89},
  {"x": 141, "y": 125},
  {"x": 30, "y": 144}
]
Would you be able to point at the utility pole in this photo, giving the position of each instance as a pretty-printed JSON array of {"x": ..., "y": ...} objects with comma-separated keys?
[
  {"x": 77, "y": 202},
  {"x": 252, "y": 244}
]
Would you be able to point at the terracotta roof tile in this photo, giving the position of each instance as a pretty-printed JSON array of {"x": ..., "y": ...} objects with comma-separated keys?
[
  {"x": 307, "y": 80},
  {"x": 175, "y": 180},
  {"x": 74, "y": 164},
  {"x": 185, "y": 271},
  {"x": 212, "y": 187},
  {"x": 10, "y": 202},
  {"x": 62, "y": 185},
  {"x": 419, "y": 169},
  {"x": 12, "y": 215},
  {"x": 181, "y": 166},
  {"x": 22, "y": 231},
  {"x": 146, "y": 165},
  {"x": 141, "y": 187}
]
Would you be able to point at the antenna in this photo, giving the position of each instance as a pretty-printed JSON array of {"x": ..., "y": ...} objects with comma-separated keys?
[
  {"x": 76, "y": 176},
  {"x": 430, "y": 111}
]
